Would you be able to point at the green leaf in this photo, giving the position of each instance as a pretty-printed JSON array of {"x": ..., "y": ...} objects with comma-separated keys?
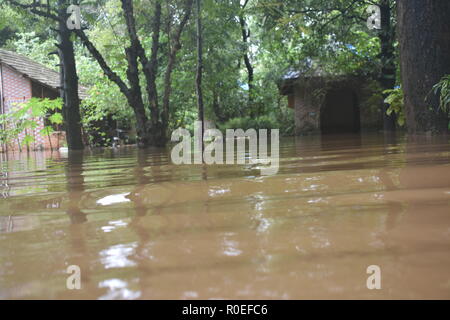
[
  {"x": 56, "y": 118},
  {"x": 28, "y": 139},
  {"x": 47, "y": 130}
]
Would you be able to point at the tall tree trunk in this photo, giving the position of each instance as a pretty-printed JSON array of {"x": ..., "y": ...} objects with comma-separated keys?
[
  {"x": 135, "y": 52},
  {"x": 174, "y": 47},
  {"x": 135, "y": 100},
  {"x": 71, "y": 108},
  {"x": 132, "y": 94},
  {"x": 200, "y": 104},
  {"x": 388, "y": 71},
  {"x": 248, "y": 65},
  {"x": 157, "y": 136},
  {"x": 424, "y": 37},
  {"x": 68, "y": 71}
]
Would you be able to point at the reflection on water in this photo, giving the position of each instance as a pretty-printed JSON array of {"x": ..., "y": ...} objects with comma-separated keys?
[{"x": 142, "y": 228}]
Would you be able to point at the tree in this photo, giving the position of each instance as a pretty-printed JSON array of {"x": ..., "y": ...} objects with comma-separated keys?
[
  {"x": 248, "y": 64},
  {"x": 69, "y": 80},
  {"x": 150, "y": 132},
  {"x": 424, "y": 37},
  {"x": 224, "y": 95},
  {"x": 199, "y": 76},
  {"x": 68, "y": 73},
  {"x": 174, "y": 45},
  {"x": 387, "y": 57},
  {"x": 333, "y": 34}
]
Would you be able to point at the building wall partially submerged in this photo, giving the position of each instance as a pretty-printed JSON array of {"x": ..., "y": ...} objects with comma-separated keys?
[
  {"x": 17, "y": 89},
  {"x": 309, "y": 98}
]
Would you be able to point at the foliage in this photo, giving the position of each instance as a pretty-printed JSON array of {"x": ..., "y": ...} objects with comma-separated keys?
[
  {"x": 396, "y": 103},
  {"x": 262, "y": 122},
  {"x": 14, "y": 21},
  {"x": 246, "y": 123},
  {"x": 23, "y": 119},
  {"x": 443, "y": 89},
  {"x": 32, "y": 46},
  {"x": 373, "y": 96},
  {"x": 326, "y": 35}
]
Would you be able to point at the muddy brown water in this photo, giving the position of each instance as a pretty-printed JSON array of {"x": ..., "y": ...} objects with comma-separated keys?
[{"x": 140, "y": 227}]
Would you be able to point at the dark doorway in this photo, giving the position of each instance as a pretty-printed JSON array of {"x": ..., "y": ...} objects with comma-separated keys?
[{"x": 340, "y": 113}]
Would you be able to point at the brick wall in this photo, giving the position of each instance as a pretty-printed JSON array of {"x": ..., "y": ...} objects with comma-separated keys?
[{"x": 16, "y": 90}]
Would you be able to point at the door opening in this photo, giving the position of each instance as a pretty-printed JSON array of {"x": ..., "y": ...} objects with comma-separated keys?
[{"x": 340, "y": 113}]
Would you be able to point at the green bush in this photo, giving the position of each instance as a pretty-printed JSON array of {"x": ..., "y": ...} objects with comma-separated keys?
[
  {"x": 396, "y": 104},
  {"x": 283, "y": 122},
  {"x": 245, "y": 123},
  {"x": 23, "y": 118},
  {"x": 443, "y": 89}
]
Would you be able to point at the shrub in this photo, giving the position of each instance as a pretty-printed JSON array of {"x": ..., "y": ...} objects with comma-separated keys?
[
  {"x": 443, "y": 87},
  {"x": 245, "y": 123},
  {"x": 396, "y": 104}
]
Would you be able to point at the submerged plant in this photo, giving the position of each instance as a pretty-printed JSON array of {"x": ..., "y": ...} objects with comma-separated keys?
[
  {"x": 396, "y": 102},
  {"x": 442, "y": 88},
  {"x": 23, "y": 119}
]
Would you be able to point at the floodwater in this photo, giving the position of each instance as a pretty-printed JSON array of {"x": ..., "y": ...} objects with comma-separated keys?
[{"x": 140, "y": 227}]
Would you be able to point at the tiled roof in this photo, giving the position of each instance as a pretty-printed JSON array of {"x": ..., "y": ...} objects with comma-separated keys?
[{"x": 35, "y": 71}]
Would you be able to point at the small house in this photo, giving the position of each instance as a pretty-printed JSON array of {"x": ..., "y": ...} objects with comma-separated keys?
[
  {"x": 325, "y": 103},
  {"x": 21, "y": 79}
]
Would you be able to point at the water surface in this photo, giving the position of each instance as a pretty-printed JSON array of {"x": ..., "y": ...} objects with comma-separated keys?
[{"x": 140, "y": 227}]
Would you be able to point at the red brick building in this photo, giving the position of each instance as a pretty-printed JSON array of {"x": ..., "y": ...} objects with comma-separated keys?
[{"x": 22, "y": 78}]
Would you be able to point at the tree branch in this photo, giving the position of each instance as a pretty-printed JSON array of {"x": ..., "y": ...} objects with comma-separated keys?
[
  {"x": 342, "y": 13},
  {"x": 112, "y": 76},
  {"x": 172, "y": 59}
]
